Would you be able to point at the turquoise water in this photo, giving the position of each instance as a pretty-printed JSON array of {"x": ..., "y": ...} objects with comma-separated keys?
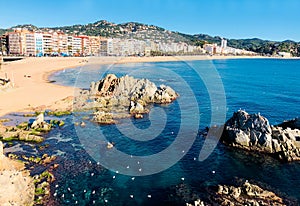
[{"x": 268, "y": 86}]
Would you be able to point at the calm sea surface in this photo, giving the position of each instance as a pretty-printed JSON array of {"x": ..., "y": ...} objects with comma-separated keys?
[{"x": 268, "y": 86}]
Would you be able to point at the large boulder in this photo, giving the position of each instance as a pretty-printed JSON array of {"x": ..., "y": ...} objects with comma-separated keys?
[{"x": 253, "y": 132}]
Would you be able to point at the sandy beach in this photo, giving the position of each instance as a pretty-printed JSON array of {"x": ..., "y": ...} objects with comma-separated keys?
[{"x": 32, "y": 88}]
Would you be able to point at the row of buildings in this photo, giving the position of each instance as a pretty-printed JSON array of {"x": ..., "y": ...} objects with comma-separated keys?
[
  {"x": 29, "y": 43},
  {"x": 56, "y": 43}
]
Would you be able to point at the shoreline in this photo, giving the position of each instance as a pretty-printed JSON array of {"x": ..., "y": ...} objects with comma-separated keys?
[{"x": 31, "y": 78}]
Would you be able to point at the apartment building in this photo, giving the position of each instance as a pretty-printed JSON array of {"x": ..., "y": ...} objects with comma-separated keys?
[
  {"x": 74, "y": 45},
  {"x": 29, "y": 47},
  {"x": 85, "y": 45},
  {"x": 47, "y": 43},
  {"x": 94, "y": 45},
  {"x": 39, "y": 44}
]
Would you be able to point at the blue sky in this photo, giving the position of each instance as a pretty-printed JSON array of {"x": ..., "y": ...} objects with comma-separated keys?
[{"x": 267, "y": 19}]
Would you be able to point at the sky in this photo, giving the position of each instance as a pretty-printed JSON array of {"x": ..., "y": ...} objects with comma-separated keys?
[{"x": 266, "y": 19}]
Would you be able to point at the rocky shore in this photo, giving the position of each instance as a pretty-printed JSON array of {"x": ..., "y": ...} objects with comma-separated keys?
[
  {"x": 254, "y": 133},
  {"x": 113, "y": 98}
]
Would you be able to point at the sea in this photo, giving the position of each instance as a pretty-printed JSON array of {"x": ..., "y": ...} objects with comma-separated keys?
[{"x": 164, "y": 158}]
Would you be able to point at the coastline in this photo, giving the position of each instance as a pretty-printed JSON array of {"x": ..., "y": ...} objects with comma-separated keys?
[
  {"x": 46, "y": 95},
  {"x": 33, "y": 90}
]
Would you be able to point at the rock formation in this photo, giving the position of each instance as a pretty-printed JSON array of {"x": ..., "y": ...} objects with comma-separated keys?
[
  {"x": 253, "y": 132},
  {"x": 114, "y": 97},
  {"x": 245, "y": 194},
  {"x": 29, "y": 132}
]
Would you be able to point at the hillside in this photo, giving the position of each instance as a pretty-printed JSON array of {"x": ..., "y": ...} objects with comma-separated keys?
[{"x": 150, "y": 32}]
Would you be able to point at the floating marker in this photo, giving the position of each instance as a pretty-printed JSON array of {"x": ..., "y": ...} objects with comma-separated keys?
[
  {"x": 55, "y": 194},
  {"x": 117, "y": 171},
  {"x": 69, "y": 189},
  {"x": 105, "y": 200},
  {"x": 213, "y": 171},
  {"x": 114, "y": 177},
  {"x": 132, "y": 178},
  {"x": 93, "y": 192},
  {"x": 131, "y": 196},
  {"x": 149, "y": 196},
  {"x": 73, "y": 195},
  {"x": 98, "y": 163},
  {"x": 56, "y": 186},
  {"x": 182, "y": 151},
  {"x": 90, "y": 162},
  {"x": 76, "y": 202},
  {"x": 94, "y": 201},
  {"x": 84, "y": 191},
  {"x": 127, "y": 167},
  {"x": 140, "y": 169},
  {"x": 92, "y": 174},
  {"x": 63, "y": 195},
  {"x": 182, "y": 178},
  {"x": 138, "y": 162}
]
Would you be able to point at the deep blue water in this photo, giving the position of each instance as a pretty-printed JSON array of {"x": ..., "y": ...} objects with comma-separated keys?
[{"x": 268, "y": 86}]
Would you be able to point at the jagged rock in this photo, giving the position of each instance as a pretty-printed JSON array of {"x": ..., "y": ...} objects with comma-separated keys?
[
  {"x": 293, "y": 124},
  {"x": 253, "y": 132},
  {"x": 118, "y": 96},
  {"x": 103, "y": 117},
  {"x": 39, "y": 120},
  {"x": 245, "y": 194}
]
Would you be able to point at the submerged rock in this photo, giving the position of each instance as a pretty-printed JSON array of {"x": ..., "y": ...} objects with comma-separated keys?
[
  {"x": 245, "y": 194},
  {"x": 114, "y": 97},
  {"x": 253, "y": 132}
]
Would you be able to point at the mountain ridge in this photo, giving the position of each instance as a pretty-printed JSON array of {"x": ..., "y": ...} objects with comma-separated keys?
[{"x": 142, "y": 31}]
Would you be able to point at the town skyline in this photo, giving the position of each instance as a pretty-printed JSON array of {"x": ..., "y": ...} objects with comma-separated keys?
[{"x": 269, "y": 20}]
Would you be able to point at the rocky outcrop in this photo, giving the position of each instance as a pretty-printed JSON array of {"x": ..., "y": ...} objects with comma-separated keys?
[
  {"x": 245, "y": 194},
  {"x": 253, "y": 132},
  {"x": 114, "y": 97},
  {"x": 293, "y": 124},
  {"x": 28, "y": 132}
]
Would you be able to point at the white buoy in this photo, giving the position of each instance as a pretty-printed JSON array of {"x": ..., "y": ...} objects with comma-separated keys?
[
  {"x": 63, "y": 195},
  {"x": 69, "y": 189},
  {"x": 117, "y": 171},
  {"x": 138, "y": 162},
  {"x": 92, "y": 174},
  {"x": 195, "y": 158},
  {"x": 84, "y": 191},
  {"x": 149, "y": 196},
  {"x": 55, "y": 194},
  {"x": 182, "y": 151},
  {"x": 56, "y": 186},
  {"x": 105, "y": 200},
  {"x": 93, "y": 192},
  {"x": 127, "y": 167},
  {"x": 132, "y": 178},
  {"x": 131, "y": 196},
  {"x": 182, "y": 178},
  {"x": 114, "y": 177},
  {"x": 140, "y": 169},
  {"x": 213, "y": 171},
  {"x": 76, "y": 202}
]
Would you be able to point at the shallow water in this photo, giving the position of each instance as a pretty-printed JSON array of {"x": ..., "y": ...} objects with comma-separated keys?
[{"x": 270, "y": 87}]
